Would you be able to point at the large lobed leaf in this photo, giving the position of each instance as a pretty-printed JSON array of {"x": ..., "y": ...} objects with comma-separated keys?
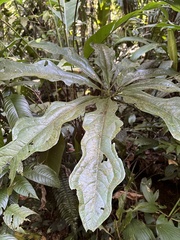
[
  {"x": 40, "y": 134},
  {"x": 100, "y": 170},
  {"x": 167, "y": 109},
  {"x": 43, "y": 69}
]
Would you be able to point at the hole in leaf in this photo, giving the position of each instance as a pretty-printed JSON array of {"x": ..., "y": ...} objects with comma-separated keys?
[
  {"x": 102, "y": 208},
  {"x": 45, "y": 63},
  {"x": 104, "y": 159},
  {"x": 91, "y": 108}
]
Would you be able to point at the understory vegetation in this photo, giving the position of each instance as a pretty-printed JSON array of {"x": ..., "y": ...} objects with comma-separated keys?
[{"x": 90, "y": 120}]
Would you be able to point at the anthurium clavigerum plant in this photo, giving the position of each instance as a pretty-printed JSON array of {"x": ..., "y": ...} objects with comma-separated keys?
[{"x": 100, "y": 169}]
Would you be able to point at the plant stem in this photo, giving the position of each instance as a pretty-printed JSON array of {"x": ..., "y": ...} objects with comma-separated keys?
[
  {"x": 177, "y": 203},
  {"x": 56, "y": 26}
]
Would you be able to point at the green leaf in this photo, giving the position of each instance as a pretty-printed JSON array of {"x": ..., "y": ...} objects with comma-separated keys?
[
  {"x": 137, "y": 230},
  {"x": 4, "y": 171},
  {"x": 23, "y": 187},
  {"x": 127, "y": 77},
  {"x": 67, "y": 15},
  {"x": 133, "y": 39},
  {"x": 167, "y": 109},
  {"x": 46, "y": 46},
  {"x": 69, "y": 12},
  {"x": 15, "y": 107},
  {"x": 14, "y": 216},
  {"x": 105, "y": 60},
  {"x": 160, "y": 84},
  {"x": 70, "y": 55},
  {"x": 7, "y": 237},
  {"x": 4, "y": 197},
  {"x": 166, "y": 25},
  {"x": 166, "y": 229},
  {"x": 142, "y": 50},
  {"x": 153, "y": 5},
  {"x": 44, "y": 175},
  {"x": 99, "y": 170},
  {"x": 147, "y": 192},
  {"x": 43, "y": 69},
  {"x": 174, "y": 4},
  {"x": 146, "y": 207},
  {"x": 41, "y": 133}
]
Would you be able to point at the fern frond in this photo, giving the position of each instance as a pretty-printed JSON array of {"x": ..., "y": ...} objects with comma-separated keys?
[{"x": 67, "y": 202}]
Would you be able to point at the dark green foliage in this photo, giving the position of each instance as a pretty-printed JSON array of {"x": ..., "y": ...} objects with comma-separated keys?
[{"x": 67, "y": 202}]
